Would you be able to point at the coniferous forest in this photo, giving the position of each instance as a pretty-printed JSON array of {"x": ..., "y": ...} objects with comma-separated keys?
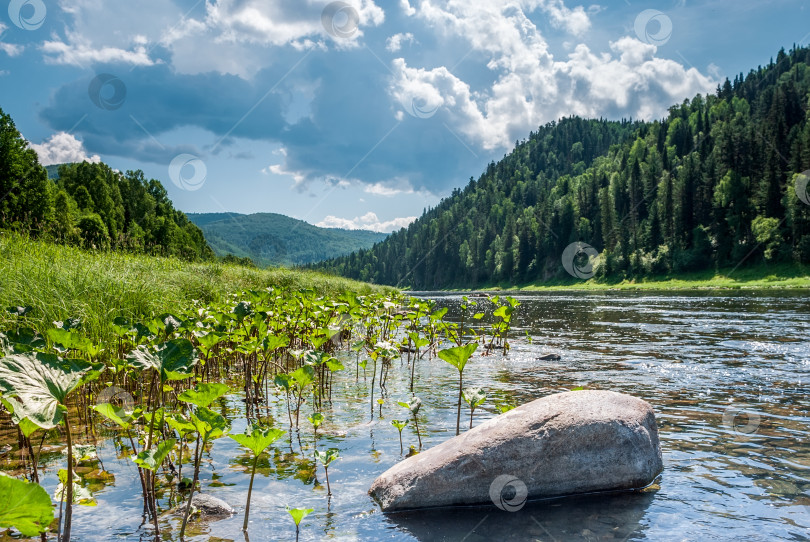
[
  {"x": 710, "y": 186},
  {"x": 90, "y": 205}
]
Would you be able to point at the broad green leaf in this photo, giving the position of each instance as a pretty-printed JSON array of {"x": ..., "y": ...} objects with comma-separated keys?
[
  {"x": 25, "y": 338},
  {"x": 399, "y": 424},
  {"x": 326, "y": 457},
  {"x": 36, "y": 384},
  {"x": 272, "y": 342},
  {"x": 72, "y": 340},
  {"x": 208, "y": 423},
  {"x": 334, "y": 365},
  {"x": 283, "y": 381},
  {"x": 474, "y": 397},
  {"x": 316, "y": 419},
  {"x": 159, "y": 415},
  {"x": 26, "y": 506},
  {"x": 413, "y": 404},
  {"x": 298, "y": 514},
  {"x": 242, "y": 310},
  {"x": 173, "y": 359},
  {"x": 318, "y": 341},
  {"x": 28, "y": 427},
  {"x": 204, "y": 394},
  {"x": 458, "y": 355},
  {"x": 258, "y": 439},
  {"x": 209, "y": 340},
  {"x": 303, "y": 376},
  {"x": 117, "y": 415},
  {"x": 152, "y": 459},
  {"x": 418, "y": 341},
  {"x": 180, "y": 424}
]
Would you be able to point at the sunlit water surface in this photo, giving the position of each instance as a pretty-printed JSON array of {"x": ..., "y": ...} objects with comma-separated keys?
[{"x": 699, "y": 358}]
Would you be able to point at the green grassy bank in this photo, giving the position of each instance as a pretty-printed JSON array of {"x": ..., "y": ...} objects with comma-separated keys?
[
  {"x": 60, "y": 282},
  {"x": 777, "y": 276}
]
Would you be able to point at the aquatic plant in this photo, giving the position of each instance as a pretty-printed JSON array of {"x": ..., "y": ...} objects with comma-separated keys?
[
  {"x": 413, "y": 405},
  {"x": 298, "y": 515},
  {"x": 400, "y": 425},
  {"x": 208, "y": 425},
  {"x": 36, "y": 386},
  {"x": 474, "y": 397},
  {"x": 457, "y": 357},
  {"x": 257, "y": 441},
  {"x": 326, "y": 457}
]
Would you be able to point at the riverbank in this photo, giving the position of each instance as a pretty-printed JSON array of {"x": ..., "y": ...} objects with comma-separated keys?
[
  {"x": 62, "y": 282},
  {"x": 782, "y": 276}
]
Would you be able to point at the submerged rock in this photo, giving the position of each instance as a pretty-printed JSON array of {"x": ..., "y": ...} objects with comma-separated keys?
[
  {"x": 563, "y": 444},
  {"x": 210, "y": 507},
  {"x": 549, "y": 357}
]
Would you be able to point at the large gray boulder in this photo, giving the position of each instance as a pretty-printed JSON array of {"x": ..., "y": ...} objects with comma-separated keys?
[{"x": 563, "y": 444}]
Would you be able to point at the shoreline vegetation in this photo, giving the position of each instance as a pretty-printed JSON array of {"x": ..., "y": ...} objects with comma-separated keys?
[
  {"x": 760, "y": 277},
  {"x": 61, "y": 282}
]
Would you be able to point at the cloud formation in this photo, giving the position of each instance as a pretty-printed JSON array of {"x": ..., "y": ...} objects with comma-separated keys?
[
  {"x": 368, "y": 221},
  {"x": 358, "y": 108},
  {"x": 531, "y": 86},
  {"x": 62, "y": 148}
]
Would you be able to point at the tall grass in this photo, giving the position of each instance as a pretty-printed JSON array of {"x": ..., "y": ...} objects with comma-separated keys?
[{"x": 61, "y": 282}]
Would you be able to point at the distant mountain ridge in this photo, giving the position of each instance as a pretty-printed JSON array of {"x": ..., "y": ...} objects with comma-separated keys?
[{"x": 274, "y": 239}]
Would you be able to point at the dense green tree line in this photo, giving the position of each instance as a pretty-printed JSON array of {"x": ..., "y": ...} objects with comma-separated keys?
[
  {"x": 90, "y": 205},
  {"x": 710, "y": 186}
]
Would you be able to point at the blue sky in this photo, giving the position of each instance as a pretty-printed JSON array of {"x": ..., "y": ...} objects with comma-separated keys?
[{"x": 358, "y": 113}]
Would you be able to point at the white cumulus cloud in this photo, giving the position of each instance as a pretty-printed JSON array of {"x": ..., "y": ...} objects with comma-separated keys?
[
  {"x": 531, "y": 87},
  {"x": 62, "y": 148},
  {"x": 394, "y": 43},
  {"x": 368, "y": 221}
]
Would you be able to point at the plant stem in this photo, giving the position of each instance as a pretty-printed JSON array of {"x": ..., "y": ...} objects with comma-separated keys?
[
  {"x": 416, "y": 421},
  {"x": 458, "y": 412},
  {"x": 373, "y": 377},
  {"x": 69, "y": 497},
  {"x": 328, "y": 489},
  {"x": 197, "y": 457},
  {"x": 250, "y": 490}
]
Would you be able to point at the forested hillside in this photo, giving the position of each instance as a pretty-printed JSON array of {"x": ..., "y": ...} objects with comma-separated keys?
[
  {"x": 710, "y": 186},
  {"x": 90, "y": 205},
  {"x": 273, "y": 239}
]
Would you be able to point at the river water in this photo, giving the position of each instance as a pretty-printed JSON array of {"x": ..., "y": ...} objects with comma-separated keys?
[{"x": 727, "y": 375}]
